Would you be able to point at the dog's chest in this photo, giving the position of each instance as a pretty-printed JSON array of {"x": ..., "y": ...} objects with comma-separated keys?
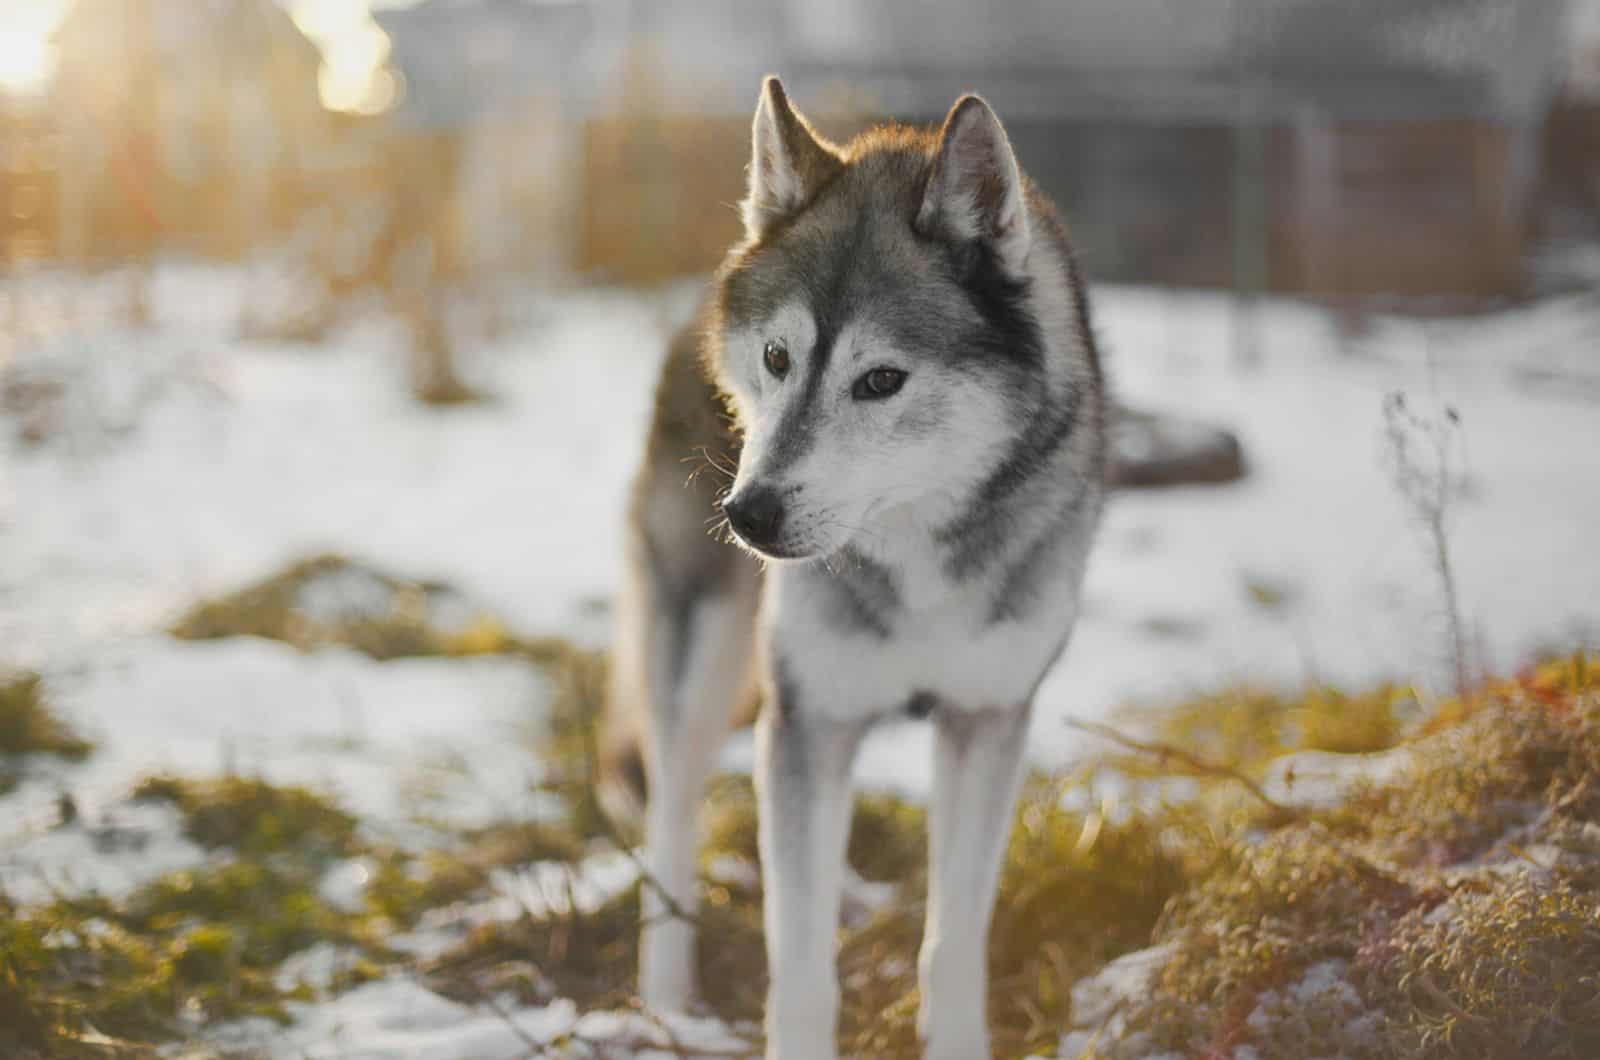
[{"x": 943, "y": 647}]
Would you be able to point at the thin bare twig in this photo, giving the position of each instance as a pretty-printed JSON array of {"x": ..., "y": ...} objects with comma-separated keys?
[{"x": 1167, "y": 752}]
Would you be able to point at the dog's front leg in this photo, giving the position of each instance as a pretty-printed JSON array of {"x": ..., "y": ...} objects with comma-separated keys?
[
  {"x": 803, "y": 784},
  {"x": 977, "y": 767}
]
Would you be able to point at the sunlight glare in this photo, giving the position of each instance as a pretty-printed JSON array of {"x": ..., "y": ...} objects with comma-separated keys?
[
  {"x": 24, "y": 61},
  {"x": 26, "y": 56},
  {"x": 353, "y": 49}
]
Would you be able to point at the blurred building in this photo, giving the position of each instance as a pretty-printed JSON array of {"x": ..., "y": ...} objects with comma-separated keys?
[
  {"x": 1337, "y": 147},
  {"x": 488, "y": 116},
  {"x": 1332, "y": 146}
]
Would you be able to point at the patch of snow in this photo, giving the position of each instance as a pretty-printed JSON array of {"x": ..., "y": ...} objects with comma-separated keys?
[
  {"x": 111, "y": 851},
  {"x": 449, "y": 738},
  {"x": 1325, "y": 983},
  {"x": 518, "y": 501},
  {"x": 1322, "y": 779},
  {"x": 397, "y": 1018},
  {"x": 735, "y": 871},
  {"x": 1325, "y": 990},
  {"x": 556, "y": 888},
  {"x": 863, "y": 897},
  {"x": 1098, "y": 1000},
  {"x": 316, "y": 966}
]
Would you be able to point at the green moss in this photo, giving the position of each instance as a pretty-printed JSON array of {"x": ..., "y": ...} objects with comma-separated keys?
[
  {"x": 28, "y": 725},
  {"x": 333, "y": 600},
  {"x": 729, "y": 820},
  {"x": 207, "y": 952},
  {"x": 570, "y": 745},
  {"x": 204, "y": 943},
  {"x": 405, "y": 886},
  {"x": 51, "y": 998},
  {"x": 254, "y": 817},
  {"x": 888, "y": 838}
]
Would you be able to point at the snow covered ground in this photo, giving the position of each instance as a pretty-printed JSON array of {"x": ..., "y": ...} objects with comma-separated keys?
[
  {"x": 246, "y": 456},
  {"x": 189, "y": 462}
]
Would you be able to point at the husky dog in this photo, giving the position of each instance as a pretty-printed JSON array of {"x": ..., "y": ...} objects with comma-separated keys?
[{"x": 898, "y": 361}]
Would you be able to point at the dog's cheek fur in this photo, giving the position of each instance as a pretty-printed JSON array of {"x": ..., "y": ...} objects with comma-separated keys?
[
  {"x": 913, "y": 451},
  {"x": 933, "y": 455}
]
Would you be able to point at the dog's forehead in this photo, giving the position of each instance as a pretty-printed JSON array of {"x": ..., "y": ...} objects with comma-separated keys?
[
  {"x": 847, "y": 264},
  {"x": 790, "y": 322}
]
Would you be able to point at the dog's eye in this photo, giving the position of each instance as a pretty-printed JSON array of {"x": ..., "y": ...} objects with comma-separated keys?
[
  {"x": 776, "y": 356},
  {"x": 878, "y": 383}
]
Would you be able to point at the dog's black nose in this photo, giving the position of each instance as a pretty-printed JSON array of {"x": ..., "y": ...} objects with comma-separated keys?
[{"x": 756, "y": 514}]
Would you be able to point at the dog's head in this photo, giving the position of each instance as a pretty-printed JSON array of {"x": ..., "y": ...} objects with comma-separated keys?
[{"x": 875, "y": 330}]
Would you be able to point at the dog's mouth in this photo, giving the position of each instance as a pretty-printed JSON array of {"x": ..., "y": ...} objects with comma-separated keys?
[{"x": 780, "y": 551}]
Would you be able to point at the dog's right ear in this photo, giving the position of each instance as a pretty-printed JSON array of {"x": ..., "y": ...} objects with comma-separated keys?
[{"x": 788, "y": 162}]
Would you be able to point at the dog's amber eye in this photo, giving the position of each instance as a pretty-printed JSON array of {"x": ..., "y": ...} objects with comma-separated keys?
[
  {"x": 878, "y": 383},
  {"x": 777, "y": 357}
]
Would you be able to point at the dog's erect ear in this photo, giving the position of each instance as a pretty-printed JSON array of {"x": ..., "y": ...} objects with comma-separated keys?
[
  {"x": 975, "y": 189},
  {"x": 788, "y": 161}
]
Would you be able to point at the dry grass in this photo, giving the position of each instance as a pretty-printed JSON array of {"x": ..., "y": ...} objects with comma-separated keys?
[
  {"x": 1247, "y": 913},
  {"x": 1453, "y": 910},
  {"x": 1462, "y": 898}
]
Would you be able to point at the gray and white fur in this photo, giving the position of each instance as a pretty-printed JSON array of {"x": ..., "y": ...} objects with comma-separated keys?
[{"x": 897, "y": 369}]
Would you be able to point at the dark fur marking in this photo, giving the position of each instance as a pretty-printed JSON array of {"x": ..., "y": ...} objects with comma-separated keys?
[
  {"x": 1009, "y": 330},
  {"x": 975, "y": 536},
  {"x": 785, "y": 692},
  {"x": 1020, "y": 583},
  {"x": 1010, "y": 333},
  {"x": 864, "y": 594},
  {"x": 797, "y": 429}
]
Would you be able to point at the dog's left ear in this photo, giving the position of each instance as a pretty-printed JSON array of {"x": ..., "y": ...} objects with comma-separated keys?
[
  {"x": 974, "y": 191},
  {"x": 789, "y": 162}
]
